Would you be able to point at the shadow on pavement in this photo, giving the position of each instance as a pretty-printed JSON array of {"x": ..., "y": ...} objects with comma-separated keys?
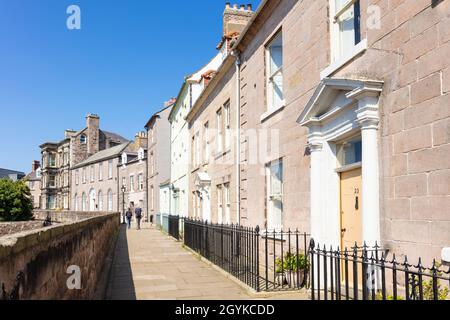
[{"x": 121, "y": 284}]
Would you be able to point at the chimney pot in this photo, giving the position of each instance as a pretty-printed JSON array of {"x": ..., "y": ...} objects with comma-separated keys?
[
  {"x": 35, "y": 165},
  {"x": 235, "y": 6},
  {"x": 249, "y": 7},
  {"x": 227, "y": 5},
  {"x": 242, "y": 6}
]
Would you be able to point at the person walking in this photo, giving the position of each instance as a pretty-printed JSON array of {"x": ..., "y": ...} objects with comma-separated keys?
[
  {"x": 129, "y": 215},
  {"x": 138, "y": 214}
]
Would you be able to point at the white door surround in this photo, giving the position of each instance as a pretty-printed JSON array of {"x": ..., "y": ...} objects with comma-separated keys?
[
  {"x": 339, "y": 109},
  {"x": 203, "y": 185}
]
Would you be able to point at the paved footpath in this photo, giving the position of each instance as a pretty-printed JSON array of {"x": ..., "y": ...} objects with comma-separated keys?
[{"x": 149, "y": 265}]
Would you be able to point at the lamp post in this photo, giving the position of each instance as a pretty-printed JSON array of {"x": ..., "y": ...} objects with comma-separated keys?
[{"x": 123, "y": 203}]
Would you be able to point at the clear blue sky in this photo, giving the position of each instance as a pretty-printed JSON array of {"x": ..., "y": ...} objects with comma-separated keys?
[{"x": 129, "y": 57}]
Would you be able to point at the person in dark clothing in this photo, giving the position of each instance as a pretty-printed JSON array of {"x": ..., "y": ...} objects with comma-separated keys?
[
  {"x": 138, "y": 214},
  {"x": 129, "y": 215}
]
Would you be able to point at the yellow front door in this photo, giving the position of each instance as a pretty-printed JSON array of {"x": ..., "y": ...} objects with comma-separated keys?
[{"x": 351, "y": 201}]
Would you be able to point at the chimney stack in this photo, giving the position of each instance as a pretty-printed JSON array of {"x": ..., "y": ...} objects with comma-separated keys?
[
  {"x": 236, "y": 18},
  {"x": 170, "y": 102},
  {"x": 141, "y": 140},
  {"x": 35, "y": 165},
  {"x": 93, "y": 134}
]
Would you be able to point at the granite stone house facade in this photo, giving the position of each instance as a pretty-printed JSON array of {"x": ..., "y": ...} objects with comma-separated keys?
[
  {"x": 181, "y": 145},
  {"x": 132, "y": 173},
  {"x": 158, "y": 157},
  {"x": 96, "y": 184},
  {"x": 33, "y": 180},
  {"x": 59, "y": 158},
  {"x": 343, "y": 124},
  {"x": 212, "y": 123}
]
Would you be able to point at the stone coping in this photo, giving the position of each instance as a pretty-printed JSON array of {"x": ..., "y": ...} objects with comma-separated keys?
[{"x": 18, "y": 242}]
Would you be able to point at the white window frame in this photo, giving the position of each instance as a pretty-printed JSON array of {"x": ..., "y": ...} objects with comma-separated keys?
[
  {"x": 83, "y": 202},
  {"x": 77, "y": 177},
  {"x": 83, "y": 175},
  {"x": 100, "y": 171},
  {"x": 220, "y": 208},
  {"x": 50, "y": 184},
  {"x": 219, "y": 142},
  {"x": 100, "y": 201},
  {"x": 110, "y": 200},
  {"x": 227, "y": 202},
  {"x": 92, "y": 173},
  {"x": 197, "y": 148},
  {"x": 206, "y": 141},
  {"x": 141, "y": 182},
  {"x": 340, "y": 57},
  {"x": 132, "y": 183},
  {"x": 271, "y": 75},
  {"x": 227, "y": 124},
  {"x": 110, "y": 169}
]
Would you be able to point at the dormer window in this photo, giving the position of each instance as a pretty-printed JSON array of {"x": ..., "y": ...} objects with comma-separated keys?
[
  {"x": 124, "y": 159},
  {"x": 141, "y": 154},
  {"x": 83, "y": 139}
]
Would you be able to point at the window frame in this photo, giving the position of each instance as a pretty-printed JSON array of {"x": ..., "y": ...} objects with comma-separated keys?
[
  {"x": 270, "y": 91},
  {"x": 338, "y": 52},
  {"x": 227, "y": 125},
  {"x": 219, "y": 140},
  {"x": 206, "y": 141},
  {"x": 110, "y": 170}
]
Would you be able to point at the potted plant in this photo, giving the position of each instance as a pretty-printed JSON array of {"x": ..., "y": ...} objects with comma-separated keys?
[{"x": 291, "y": 269}]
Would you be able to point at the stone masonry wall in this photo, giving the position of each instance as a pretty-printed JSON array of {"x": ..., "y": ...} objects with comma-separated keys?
[{"x": 44, "y": 255}]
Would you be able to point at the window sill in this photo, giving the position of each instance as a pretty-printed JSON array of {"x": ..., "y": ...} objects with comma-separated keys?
[
  {"x": 335, "y": 66},
  {"x": 272, "y": 112}
]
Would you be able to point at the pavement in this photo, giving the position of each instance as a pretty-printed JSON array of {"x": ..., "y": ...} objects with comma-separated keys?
[{"x": 149, "y": 265}]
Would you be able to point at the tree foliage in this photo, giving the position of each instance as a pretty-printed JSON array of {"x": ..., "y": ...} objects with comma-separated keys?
[{"x": 15, "y": 201}]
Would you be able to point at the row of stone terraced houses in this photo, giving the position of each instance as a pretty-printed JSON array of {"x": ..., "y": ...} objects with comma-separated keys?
[
  {"x": 328, "y": 116},
  {"x": 331, "y": 116}
]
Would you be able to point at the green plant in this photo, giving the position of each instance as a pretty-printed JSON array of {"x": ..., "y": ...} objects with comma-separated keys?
[
  {"x": 291, "y": 262},
  {"x": 427, "y": 285},
  {"x": 15, "y": 201},
  {"x": 389, "y": 297}
]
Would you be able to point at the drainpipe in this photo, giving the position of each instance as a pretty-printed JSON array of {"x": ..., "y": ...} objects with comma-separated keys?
[{"x": 235, "y": 53}]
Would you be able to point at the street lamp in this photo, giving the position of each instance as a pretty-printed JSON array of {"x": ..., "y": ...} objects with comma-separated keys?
[{"x": 123, "y": 203}]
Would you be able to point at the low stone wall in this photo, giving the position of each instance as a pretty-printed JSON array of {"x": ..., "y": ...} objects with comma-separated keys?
[
  {"x": 7, "y": 228},
  {"x": 65, "y": 216},
  {"x": 43, "y": 256}
]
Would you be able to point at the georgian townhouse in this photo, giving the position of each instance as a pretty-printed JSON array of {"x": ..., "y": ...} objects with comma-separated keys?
[
  {"x": 180, "y": 143},
  {"x": 158, "y": 158},
  {"x": 357, "y": 95},
  {"x": 132, "y": 173},
  {"x": 213, "y": 129},
  {"x": 59, "y": 158},
  {"x": 96, "y": 184}
]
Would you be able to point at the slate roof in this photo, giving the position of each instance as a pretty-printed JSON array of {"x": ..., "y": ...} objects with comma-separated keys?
[
  {"x": 5, "y": 173},
  {"x": 32, "y": 177},
  {"x": 114, "y": 136},
  {"x": 103, "y": 155}
]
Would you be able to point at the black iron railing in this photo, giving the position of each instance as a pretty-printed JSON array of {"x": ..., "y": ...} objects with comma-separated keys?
[
  {"x": 174, "y": 227},
  {"x": 265, "y": 261},
  {"x": 368, "y": 273}
]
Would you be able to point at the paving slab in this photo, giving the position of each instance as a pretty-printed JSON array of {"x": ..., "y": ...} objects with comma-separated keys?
[{"x": 149, "y": 265}]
